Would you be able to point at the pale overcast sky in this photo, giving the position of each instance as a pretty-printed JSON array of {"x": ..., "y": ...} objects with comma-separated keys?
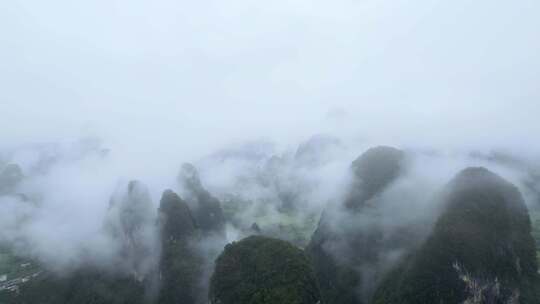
[{"x": 442, "y": 72}]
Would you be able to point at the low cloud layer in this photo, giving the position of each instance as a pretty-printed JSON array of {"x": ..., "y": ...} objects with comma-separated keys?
[{"x": 94, "y": 95}]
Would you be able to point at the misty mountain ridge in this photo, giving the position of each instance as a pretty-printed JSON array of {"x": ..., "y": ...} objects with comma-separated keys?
[
  {"x": 269, "y": 152},
  {"x": 314, "y": 226}
]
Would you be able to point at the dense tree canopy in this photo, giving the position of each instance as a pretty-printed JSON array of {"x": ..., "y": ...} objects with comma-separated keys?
[{"x": 261, "y": 270}]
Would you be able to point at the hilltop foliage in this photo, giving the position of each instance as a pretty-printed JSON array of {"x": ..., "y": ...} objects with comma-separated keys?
[{"x": 261, "y": 270}]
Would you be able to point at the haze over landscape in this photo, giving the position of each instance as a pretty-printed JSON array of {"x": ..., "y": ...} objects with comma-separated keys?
[{"x": 146, "y": 148}]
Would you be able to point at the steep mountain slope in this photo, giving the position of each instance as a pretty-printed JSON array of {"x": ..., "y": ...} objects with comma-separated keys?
[
  {"x": 261, "y": 270},
  {"x": 180, "y": 266},
  {"x": 339, "y": 252},
  {"x": 481, "y": 249},
  {"x": 207, "y": 210}
]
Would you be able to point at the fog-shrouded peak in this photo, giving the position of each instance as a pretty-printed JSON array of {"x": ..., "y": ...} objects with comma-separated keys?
[
  {"x": 372, "y": 172},
  {"x": 131, "y": 221},
  {"x": 189, "y": 179},
  {"x": 352, "y": 246},
  {"x": 175, "y": 216},
  {"x": 470, "y": 183},
  {"x": 207, "y": 210},
  {"x": 133, "y": 206},
  {"x": 341, "y": 127},
  {"x": 480, "y": 251},
  {"x": 181, "y": 265},
  {"x": 317, "y": 150}
]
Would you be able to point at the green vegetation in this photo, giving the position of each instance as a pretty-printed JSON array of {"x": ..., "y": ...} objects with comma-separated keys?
[
  {"x": 484, "y": 248},
  {"x": 28, "y": 283},
  {"x": 338, "y": 283},
  {"x": 292, "y": 225},
  {"x": 373, "y": 171},
  {"x": 481, "y": 249},
  {"x": 206, "y": 209},
  {"x": 289, "y": 226},
  {"x": 130, "y": 222},
  {"x": 341, "y": 282},
  {"x": 14, "y": 267},
  {"x": 14, "y": 272},
  {"x": 180, "y": 266},
  {"x": 535, "y": 220},
  {"x": 261, "y": 270},
  {"x": 84, "y": 287}
]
